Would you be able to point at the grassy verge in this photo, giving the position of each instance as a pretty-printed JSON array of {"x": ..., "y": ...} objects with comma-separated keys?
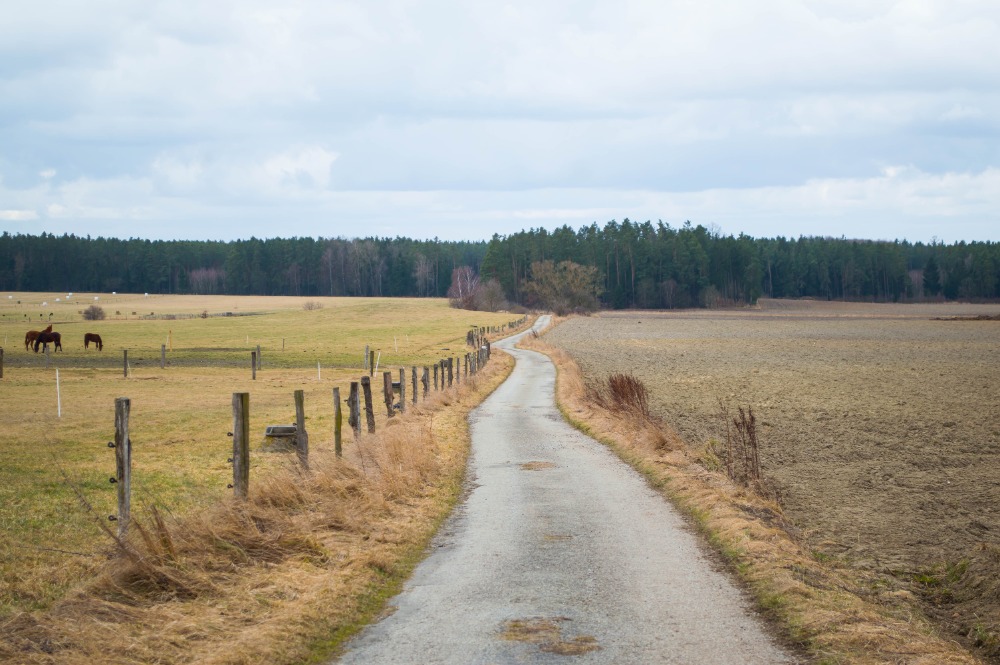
[{"x": 827, "y": 610}]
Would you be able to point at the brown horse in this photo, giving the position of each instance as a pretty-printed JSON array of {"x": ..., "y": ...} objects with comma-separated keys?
[
  {"x": 95, "y": 338},
  {"x": 44, "y": 338},
  {"x": 32, "y": 335}
]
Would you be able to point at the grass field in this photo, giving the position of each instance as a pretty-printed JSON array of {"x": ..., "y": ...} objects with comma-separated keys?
[
  {"x": 180, "y": 415},
  {"x": 880, "y": 427}
]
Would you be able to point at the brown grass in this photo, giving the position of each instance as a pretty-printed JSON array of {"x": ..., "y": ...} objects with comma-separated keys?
[
  {"x": 283, "y": 577},
  {"x": 825, "y": 608}
]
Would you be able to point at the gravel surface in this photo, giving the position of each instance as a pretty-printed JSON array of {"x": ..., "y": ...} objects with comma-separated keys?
[{"x": 561, "y": 553}]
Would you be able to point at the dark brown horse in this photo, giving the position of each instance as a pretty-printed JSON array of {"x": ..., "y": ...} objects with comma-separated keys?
[
  {"x": 95, "y": 338},
  {"x": 44, "y": 338},
  {"x": 32, "y": 335}
]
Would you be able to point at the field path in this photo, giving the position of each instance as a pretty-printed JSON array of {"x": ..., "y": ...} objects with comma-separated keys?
[{"x": 560, "y": 553}]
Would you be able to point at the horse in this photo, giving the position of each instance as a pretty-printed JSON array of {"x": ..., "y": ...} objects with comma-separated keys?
[
  {"x": 32, "y": 335},
  {"x": 44, "y": 338},
  {"x": 95, "y": 338}
]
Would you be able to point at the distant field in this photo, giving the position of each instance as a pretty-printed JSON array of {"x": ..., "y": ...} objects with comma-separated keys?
[
  {"x": 403, "y": 329},
  {"x": 881, "y": 426},
  {"x": 180, "y": 414}
]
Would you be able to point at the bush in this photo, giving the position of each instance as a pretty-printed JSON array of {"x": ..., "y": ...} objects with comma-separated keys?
[
  {"x": 94, "y": 313},
  {"x": 311, "y": 305}
]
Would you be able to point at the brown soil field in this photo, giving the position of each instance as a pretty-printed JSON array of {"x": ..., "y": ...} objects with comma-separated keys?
[{"x": 880, "y": 426}]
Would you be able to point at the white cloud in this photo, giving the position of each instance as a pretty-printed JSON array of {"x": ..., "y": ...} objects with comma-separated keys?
[
  {"x": 506, "y": 114},
  {"x": 18, "y": 215}
]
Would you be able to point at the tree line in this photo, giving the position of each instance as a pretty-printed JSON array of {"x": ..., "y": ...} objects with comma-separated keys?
[
  {"x": 657, "y": 266},
  {"x": 645, "y": 265}
]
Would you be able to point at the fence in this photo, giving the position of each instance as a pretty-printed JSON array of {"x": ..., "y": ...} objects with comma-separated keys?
[{"x": 474, "y": 362}]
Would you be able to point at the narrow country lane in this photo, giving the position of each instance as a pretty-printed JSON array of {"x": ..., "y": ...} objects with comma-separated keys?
[{"x": 560, "y": 554}]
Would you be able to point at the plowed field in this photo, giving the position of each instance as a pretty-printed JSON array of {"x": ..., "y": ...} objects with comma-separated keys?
[{"x": 880, "y": 426}]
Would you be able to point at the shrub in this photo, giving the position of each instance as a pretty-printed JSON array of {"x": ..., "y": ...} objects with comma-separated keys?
[
  {"x": 623, "y": 393},
  {"x": 94, "y": 313},
  {"x": 311, "y": 305}
]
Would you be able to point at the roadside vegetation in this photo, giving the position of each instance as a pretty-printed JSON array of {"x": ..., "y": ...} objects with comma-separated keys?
[{"x": 282, "y": 578}]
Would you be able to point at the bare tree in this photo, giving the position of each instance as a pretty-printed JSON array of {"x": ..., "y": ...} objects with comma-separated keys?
[
  {"x": 489, "y": 297},
  {"x": 464, "y": 282},
  {"x": 423, "y": 273}
]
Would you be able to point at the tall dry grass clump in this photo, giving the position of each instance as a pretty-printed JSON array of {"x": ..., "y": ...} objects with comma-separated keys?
[
  {"x": 623, "y": 393},
  {"x": 825, "y": 609},
  {"x": 282, "y": 577}
]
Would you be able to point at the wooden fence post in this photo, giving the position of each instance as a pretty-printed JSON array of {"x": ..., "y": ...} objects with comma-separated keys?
[
  {"x": 354, "y": 410},
  {"x": 426, "y": 381},
  {"x": 163, "y": 356},
  {"x": 366, "y": 388},
  {"x": 371, "y": 363},
  {"x": 366, "y": 356},
  {"x": 387, "y": 392},
  {"x": 402, "y": 390},
  {"x": 1, "y": 368},
  {"x": 124, "y": 363},
  {"x": 123, "y": 464},
  {"x": 451, "y": 371},
  {"x": 338, "y": 422},
  {"x": 414, "y": 375},
  {"x": 253, "y": 365},
  {"x": 435, "y": 376},
  {"x": 241, "y": 445},
  {"x": 301, "y": 436}
]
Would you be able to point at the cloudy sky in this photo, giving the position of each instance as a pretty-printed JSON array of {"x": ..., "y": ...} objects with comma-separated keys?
[{"x": 220, "y": 120}]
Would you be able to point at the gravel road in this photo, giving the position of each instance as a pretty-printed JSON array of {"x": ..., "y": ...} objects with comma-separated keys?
[{"x": 560, "y": 553}]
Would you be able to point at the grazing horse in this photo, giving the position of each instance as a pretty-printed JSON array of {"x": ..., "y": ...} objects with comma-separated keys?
[
  {"x": 95, "y": 338},
  {"x": 44, "y": 338},
  {"x": 32, "y": 335}
]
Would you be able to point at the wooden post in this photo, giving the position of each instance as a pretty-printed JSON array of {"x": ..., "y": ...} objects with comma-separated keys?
[
  {"x": 124, "y": 363},
  {"x": 414, "y": 375},
  {"x": 458, "y": 369},
  {"x": 123, "y": 464},
  {"x": 489, "y": 349},
  {"x": 451, "y": 371},
  {"x": 466, "y": 366},
  {"x": 435, "y": 376},
  {"x": 367, "y": 351},
  {"x": 387, "y": 392},
  {"x": 241, "y": 445},
  {"x": 301, "y": 436},
  {"x": 366, "y": 388},
  {"x": 253, "y": 365},
  {"x": 426, "y": 381},
  {"x": 338, "y": 422},
  {"x": 1, "y": 369},
  {"x": 163, "y": 356},
  {"x": 371, "y": 363},
  {"x": 354, "y": 410},
  {"x": 402, "y": 390}
]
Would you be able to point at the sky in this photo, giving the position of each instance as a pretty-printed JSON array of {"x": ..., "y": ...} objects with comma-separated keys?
[{"x": 228, "y": 119}]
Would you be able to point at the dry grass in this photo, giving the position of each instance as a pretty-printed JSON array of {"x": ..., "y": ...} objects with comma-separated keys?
[
  {"x": 827, "y": 609},
  {"x": 281, "y": 578}
]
